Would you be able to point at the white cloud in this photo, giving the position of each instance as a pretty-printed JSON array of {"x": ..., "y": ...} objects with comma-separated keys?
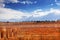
[
  {"x": 13, "y": 1},
  {"x": 7, "y": 1},
  {"x": 28, "y": 2},
  {"x": 40, "y": 13},
  {"x": 8, "y": 14},
  {"x": 2, "y": 5},
  {"x": 11, "y": 14},
  {"x": 55, "y": 11},
  {"x": 57, "y": 2},
  {"x": 1, "y": 1}
]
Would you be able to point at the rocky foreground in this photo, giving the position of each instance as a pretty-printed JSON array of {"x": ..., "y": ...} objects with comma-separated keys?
[{"x": 30, "y": 30}]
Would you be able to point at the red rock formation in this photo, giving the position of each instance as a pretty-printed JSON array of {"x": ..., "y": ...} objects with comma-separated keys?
[{"x": 30, "y": 31}]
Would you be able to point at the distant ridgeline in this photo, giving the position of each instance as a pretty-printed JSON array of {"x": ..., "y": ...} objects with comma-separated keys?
[
  {"x": 32, "y": 21},
  {"x": 29, "y": 22}
]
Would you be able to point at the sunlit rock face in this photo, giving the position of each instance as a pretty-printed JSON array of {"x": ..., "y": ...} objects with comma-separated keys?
[{"x": 30, "y": 30}]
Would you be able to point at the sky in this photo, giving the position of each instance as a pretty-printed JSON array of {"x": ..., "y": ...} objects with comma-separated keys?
[{"x": 29, "y": 10}]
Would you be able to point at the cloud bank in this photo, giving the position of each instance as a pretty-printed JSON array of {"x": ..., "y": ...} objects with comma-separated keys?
[{"x": 7, "y": 14}]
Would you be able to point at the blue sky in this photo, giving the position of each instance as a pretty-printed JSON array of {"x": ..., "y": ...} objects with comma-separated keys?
[
  {"x": 27, "y": 6},
  {"x": 29, "y": 10}
]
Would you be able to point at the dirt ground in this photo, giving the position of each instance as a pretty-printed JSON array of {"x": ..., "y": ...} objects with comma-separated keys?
[{"x": 30, "y": 30}]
